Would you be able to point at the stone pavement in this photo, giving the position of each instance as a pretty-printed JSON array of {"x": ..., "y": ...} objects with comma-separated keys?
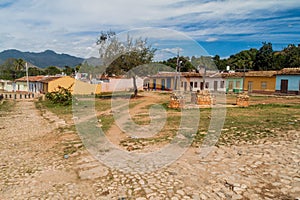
[{"x": 42, "y": 158}]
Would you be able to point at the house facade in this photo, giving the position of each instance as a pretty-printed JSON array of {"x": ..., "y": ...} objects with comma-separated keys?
[
  {"x": 187, "y": 81},
  {"x": 85, "y": 88},
  {"x": 120, "y": 84},
  {"x": 52, "y": 83},
  {"x": 234, "y": 82},
  {"x": 35, "y": 86},
  {"x": 161, "y": 81},
  {"x": 7, "y": 86},
  {"x": 263, "y": 82},
  {"x": 288, "y": 81}
]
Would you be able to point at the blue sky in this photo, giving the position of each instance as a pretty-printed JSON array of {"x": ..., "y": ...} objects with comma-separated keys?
[{"x": 222, "y": 27}]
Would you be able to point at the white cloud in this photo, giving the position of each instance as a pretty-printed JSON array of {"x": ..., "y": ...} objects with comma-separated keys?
[
  {"x": 71, "y": 26},
  {"x": 211, "y": 39}
]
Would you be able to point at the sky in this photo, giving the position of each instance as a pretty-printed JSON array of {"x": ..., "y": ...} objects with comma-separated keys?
[{"x": 222, "y": 27}]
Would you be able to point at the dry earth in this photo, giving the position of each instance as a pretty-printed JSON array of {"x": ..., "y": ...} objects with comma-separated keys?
[{"x": 41, "y": 157}]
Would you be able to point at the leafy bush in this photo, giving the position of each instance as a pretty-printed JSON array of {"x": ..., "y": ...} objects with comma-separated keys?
[{"x": 62, "y": 96}]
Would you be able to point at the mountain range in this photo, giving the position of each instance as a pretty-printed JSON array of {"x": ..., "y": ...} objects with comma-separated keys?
[{"x": 42, "y": 59}]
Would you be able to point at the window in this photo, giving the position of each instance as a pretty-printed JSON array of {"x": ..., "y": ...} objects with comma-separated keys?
[
  {"x": 230, "y": 85},
  {"x": 181, "y": 83},
  {"x": 206, "y": 85},
  {"x": 222, "y": 84},
  {"x": 238, "y": 84},
  {"x": 263, "y": 85},
  {"x": 195, "y": 84}
]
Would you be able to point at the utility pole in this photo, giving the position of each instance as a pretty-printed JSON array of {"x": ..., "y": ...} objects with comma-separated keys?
[
  {"x": 26, "y": 66},
  {"x": 177, "y": 74},
  {"x": 178, "y": 69}
]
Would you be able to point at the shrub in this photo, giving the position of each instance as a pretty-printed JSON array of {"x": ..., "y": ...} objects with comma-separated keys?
[{"x": 62, "y": 96}]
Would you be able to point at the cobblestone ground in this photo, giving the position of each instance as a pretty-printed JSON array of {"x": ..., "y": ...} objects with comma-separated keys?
[{"x": 42, "y": 158}]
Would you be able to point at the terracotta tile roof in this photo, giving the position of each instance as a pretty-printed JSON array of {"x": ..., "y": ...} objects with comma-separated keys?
[
  {"x": 260, "y": 73},
  {"x": 30, "y": 78},
  {"x": 5, "y": 81},
  {"x": 251, "y": 74},
  {"x": 290, "y": 71},
  {"x": 172, "y": 74},
  {"x": 48, "y": 79}
]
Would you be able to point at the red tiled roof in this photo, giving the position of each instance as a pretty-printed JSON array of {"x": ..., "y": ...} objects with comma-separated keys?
[
  {"x": 30, "y": 78},
  {"x": 289, "y": 71},
  {"x": 47, "y": 79}
]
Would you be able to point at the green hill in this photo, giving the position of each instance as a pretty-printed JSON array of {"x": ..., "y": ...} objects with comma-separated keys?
[{"x": 42, "y": 59}]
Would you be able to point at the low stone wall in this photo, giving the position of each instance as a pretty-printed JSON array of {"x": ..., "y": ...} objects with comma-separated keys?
[
  {"x": 17, "y": 96},
  {"x": 242, "y": 100},
  {"x": 205, "y": 98},
  {"x": 176, "y": 101}
]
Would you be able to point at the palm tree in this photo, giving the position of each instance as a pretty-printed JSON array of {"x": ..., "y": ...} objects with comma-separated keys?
[{"x": 19, "y": 64}]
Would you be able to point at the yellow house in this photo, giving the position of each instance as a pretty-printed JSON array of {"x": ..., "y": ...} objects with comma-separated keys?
[
  {"x": 84, "y": 88},
  {"x": 160, "y": 81},
  {"x": 260, "y": 82},
  {"x": 52, "y": 83}
]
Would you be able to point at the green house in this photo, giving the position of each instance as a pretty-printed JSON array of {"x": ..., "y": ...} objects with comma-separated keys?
[{"x": 234, "y": 82}]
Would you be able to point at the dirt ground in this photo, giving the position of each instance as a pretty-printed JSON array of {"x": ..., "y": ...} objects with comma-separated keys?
[{"x": 42, "y": 157}]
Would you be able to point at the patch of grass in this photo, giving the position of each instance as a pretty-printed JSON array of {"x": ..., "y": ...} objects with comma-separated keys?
[
  {"x": 106, "y": 122},
  {"x": 259, "y": 121},
  {"x": 64, "y": 112},
  {"x": 102, "y": 104},
  {"x": 6, "y": 106}
]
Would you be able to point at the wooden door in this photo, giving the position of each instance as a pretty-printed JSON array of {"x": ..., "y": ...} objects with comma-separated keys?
[
  {"x": 162, "y": 84},
  {"x": 284, "y": 86},
  {"x": 250, "y": 86},
  {"x": 215, "y": 85}
]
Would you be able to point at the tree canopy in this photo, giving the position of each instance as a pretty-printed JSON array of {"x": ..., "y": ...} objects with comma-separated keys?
[
  {"x": 124, "y": 58},
  {"x": 265, "y": 58}
]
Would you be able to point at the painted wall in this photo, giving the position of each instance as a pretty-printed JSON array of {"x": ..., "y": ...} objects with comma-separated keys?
[
  {"x": 293, "y": 82},
  {"x": 121, "y": 85},
  {"x": 257, "y": 83},
  {"x": 35, "y": 87},
  {"x": 7, "y": 86},
  {"x": 83, "y": 88},
  {"x": 197, "y": 83},
  {"x": 21, "y": 86},
  {"x": 234, "y": 84},
  {"x": 53, "y": 85},
  {"x": 161, "y": 83}
]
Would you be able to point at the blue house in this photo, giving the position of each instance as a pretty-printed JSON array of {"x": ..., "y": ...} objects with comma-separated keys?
[{"x": 288, "y": 81}]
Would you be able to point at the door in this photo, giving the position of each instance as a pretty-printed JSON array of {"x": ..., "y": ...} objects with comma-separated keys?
[
  {"x": 163, "y": 84},
  {"x": 154, "y": 84},
  {"x": 185, "y": 85},
  {"x": 168, "y": 83},
  {"x": 250, "y": 86},
  {"x": 284, "y": 86},
  {"x": 201, "y": 86},
  {"x": 215, "y": 85},
  {"x": 230, "y": 86}
]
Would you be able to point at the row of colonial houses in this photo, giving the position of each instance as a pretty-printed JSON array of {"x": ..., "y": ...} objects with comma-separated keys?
[
  {"x": 285, "y": 81},
  {"x": 45, "y": 84}
]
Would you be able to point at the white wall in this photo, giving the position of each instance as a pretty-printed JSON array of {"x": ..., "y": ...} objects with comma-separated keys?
[{"x": 120, "y": 85}]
